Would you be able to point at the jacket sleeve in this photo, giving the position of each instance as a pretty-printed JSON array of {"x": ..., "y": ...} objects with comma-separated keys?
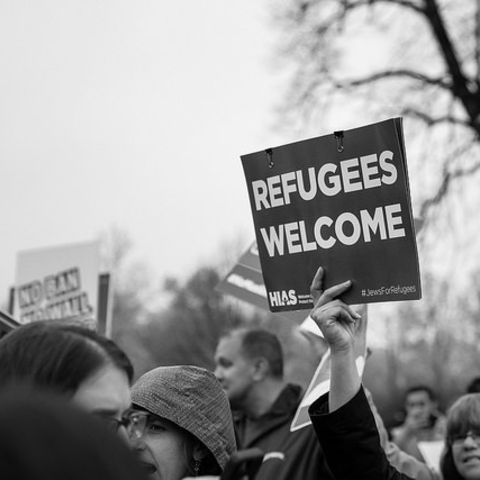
[
  {"x": 350, "y": 440},
  {"x": 402, "y": 461}
]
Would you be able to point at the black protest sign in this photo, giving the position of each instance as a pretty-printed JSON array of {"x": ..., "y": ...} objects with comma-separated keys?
[{"x": 341, "y": 201}]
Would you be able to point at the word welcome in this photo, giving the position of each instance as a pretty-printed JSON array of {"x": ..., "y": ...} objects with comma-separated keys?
[{"x": 385, "y": 222}]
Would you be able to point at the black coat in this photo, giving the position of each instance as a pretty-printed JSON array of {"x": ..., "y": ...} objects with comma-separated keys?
[
  {"x": 288, "y": 455},
  {"x": 350, "y": 440}
]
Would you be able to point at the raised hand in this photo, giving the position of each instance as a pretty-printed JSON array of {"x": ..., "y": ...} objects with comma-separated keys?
[{"x": 335, "y": 318}]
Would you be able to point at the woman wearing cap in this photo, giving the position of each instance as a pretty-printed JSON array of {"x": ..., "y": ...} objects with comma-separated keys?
[{"x": 184, "y": 424}]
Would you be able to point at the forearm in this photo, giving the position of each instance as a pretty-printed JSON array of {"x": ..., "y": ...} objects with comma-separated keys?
[{"x": 345, "y": 381}]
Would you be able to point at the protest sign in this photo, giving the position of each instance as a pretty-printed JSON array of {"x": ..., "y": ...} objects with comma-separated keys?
[
  {"x": 245, "y": 282},
  {"x": 341, "y": 201},
  {"x": 57, "y": 283}
]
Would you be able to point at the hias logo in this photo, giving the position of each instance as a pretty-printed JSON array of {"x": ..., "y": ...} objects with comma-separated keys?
[{"x": 280, "y": 298}]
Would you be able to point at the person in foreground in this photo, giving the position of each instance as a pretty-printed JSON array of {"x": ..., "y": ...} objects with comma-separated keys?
[
  {"x": 46, "y": 436},
  {"x": 343, "y": 421},
  {"x": 184, "y": 424},
  {"x": 89, "y": 369}
]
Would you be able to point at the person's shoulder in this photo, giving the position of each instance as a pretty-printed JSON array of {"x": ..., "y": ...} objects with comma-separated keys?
[{"x": 440, "y": 426}]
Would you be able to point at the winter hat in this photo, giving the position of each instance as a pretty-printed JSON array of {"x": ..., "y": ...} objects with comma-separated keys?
[{"x": 192, "y": 398}]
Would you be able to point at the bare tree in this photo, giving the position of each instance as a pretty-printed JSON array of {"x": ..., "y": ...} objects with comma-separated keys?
[
  {"x": 133, "y": 294},
  {"x": 353, "y": 62},
  {"x": 419, "y": 59}
]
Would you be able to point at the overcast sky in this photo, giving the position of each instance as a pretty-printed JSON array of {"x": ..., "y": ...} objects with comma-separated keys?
[{"x": 132, "y": 114}]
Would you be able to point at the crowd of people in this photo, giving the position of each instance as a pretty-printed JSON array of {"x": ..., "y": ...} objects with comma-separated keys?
[{"x": 70, "y": 408}]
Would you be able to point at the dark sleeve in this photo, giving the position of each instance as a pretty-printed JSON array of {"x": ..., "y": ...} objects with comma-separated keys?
[{"x": 350, "y": 440}]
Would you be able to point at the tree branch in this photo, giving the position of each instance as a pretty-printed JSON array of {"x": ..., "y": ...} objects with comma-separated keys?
[
  {"x": 448, "y": 177},
  {"x": 430, "y": 121},
  {"x": 477, "y": 44},
  {"x": 403, "y": 3},
  {"x": 300, "y": 14},
  {"x": 438, "y": 82},
  {"x": 459, "y": 80}
]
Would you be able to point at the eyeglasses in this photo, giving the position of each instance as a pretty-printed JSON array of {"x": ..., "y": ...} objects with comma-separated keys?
[
  {"x": 138, "y": 424},
  {"x": 458, "y": 440},
  {"x": 133, "y": 421}
]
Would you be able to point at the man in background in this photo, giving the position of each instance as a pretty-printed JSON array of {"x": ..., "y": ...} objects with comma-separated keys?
[
  {"x": 250, "y": 367},
  {"x": 423, "y": 422}
]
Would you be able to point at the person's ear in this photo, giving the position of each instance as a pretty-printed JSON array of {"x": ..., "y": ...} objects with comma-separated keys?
[
  {"x": 198, "y": 452},
  {"x": 261, "y": 369}
]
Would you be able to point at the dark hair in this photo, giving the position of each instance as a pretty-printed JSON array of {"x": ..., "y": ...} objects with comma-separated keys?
[
  {"x": 208, "y": 464},
  {"x": 474, "y": 385},
  {"x": 57, "y": 355},
  {"x": 44, "y": 435},
  {"x": 462, "y": 416},
  {"x": 259, "y": 342},
  {"x": 421, "y": 388}
]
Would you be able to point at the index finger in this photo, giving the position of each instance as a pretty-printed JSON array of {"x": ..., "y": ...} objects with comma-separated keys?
[
  {"x": 316, "y": 288},
  {"x": 333, "y": 292}
]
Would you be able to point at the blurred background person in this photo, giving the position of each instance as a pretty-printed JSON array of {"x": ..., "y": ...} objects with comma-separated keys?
[
  {"x": 250, "y": 367},
  {"x": 423, "y": 421}
]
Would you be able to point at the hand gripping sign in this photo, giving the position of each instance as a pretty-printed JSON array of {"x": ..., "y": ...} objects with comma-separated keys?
[{"x": 341, "y": 201}]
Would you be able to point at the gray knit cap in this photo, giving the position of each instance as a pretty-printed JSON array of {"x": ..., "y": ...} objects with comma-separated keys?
[{"x": 192, "y": 398}]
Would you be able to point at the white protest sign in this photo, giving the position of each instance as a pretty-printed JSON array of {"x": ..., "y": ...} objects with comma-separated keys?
[{"x": 57, "y": 283}]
